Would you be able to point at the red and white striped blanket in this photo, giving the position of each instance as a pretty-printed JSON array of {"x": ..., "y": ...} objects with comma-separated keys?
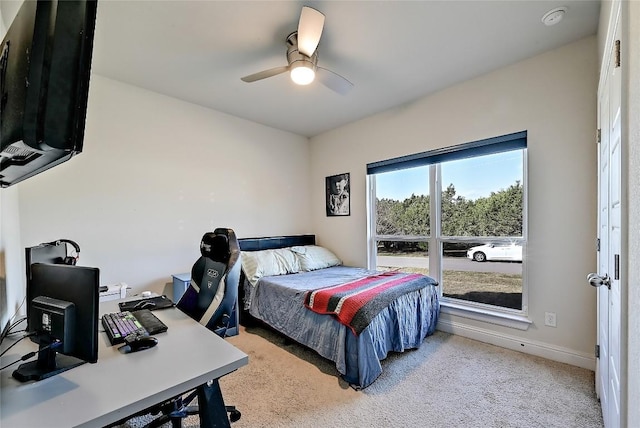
[{"x": 356, "y": 303}]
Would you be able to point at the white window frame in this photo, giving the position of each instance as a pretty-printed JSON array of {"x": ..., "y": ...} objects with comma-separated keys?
[{"x": 508, "y": 317}]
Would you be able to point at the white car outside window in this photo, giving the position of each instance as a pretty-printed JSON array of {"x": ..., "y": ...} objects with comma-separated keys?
[{"x": 493, "y": 252}]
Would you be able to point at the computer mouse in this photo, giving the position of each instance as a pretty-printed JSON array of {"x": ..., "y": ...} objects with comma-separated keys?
[
  {"x": 139, "y": 343},
  {"x": 145, "y": 305},
  {"x": 146, "y": 294}
]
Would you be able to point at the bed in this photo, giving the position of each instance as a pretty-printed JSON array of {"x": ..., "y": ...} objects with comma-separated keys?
[{"x": 282, "y": 285}]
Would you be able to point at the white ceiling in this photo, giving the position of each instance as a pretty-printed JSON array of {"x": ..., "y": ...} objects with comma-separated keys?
[{"x": 393, "y": 51}]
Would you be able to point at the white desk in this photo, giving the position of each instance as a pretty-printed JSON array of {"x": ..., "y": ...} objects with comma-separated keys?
[{"x": 118, "y": 385}]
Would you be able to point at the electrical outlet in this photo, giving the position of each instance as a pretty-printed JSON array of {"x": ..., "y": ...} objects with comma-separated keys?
[{"x": 550, "y": 319}]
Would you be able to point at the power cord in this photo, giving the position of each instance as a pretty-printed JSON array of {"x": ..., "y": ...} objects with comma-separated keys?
[
  {"x": 9, "y": 326},
  {"x": 16, "y": 342},
  {"x": 7, "y": 329},
  {"x": 25, "y": 357}
]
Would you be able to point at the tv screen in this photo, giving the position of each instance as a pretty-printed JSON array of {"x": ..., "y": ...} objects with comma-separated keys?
[
  {"x": 45, "y": 64},
  {"x": 63, "y": 319}
]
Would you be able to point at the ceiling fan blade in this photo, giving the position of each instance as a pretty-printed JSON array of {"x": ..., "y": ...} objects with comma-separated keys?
[
  {"x": 309, "y": 30},
  {"x": 333, "y": 81},
  {"x": 264, "y": 74}
]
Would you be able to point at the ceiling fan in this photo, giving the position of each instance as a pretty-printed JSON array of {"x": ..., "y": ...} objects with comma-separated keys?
[{"x": 302, "y": 56}]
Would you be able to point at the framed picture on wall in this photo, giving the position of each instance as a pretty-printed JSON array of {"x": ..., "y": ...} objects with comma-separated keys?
[{"x": 337, "y": 191}]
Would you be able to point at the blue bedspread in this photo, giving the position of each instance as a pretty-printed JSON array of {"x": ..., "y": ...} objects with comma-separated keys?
[{"x": 279, "y": 302}]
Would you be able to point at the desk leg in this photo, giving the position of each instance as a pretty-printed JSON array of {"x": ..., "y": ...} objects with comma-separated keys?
[{"x": 213, "y": 413}]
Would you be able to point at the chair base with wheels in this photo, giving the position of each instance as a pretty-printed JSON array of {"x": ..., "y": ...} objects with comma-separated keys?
[{"x": 180, "y": 408}]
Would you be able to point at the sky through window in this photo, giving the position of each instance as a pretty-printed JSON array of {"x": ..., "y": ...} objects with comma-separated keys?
[{"x": 473, "y": 178}]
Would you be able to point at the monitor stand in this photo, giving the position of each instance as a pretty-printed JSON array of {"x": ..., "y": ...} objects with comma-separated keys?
[{"x": 49, "y": 363}]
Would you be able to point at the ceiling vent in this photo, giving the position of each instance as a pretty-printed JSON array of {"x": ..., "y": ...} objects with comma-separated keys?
[{"x": 554, "y": 16}]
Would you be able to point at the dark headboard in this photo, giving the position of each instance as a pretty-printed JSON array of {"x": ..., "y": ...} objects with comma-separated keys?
[
  {"x": 271, "y": 242},
  {"x": 266, "y": 243}
]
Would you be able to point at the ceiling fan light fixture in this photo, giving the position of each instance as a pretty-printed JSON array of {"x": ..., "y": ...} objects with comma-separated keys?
[
  {"x": 302, "y": 56},
  {"x": 302, "y": 72}
]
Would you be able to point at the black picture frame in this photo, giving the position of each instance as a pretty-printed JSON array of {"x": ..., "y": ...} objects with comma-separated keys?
[{"x": 338, "y": 195}]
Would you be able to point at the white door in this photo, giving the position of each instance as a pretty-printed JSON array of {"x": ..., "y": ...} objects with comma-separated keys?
[{"x": 609, "y": 233}]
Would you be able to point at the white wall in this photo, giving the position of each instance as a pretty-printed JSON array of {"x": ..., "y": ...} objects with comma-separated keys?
[
  {"x": 155, "y": 174},
  {"x": 11, "y": 261},
  {"x": 8, "y": 11},
  {"x": 3, "y": 28},
  {"x": 553, "y": 97}
]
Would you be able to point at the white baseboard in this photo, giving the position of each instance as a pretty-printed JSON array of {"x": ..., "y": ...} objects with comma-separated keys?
[{"x": 540, "y": 349}]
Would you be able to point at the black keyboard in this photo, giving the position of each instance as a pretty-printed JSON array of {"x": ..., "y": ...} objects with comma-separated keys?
[{"x": 119, "y": 325}]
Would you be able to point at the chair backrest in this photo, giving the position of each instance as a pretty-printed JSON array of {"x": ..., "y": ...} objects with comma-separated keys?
[{"x": 215, "y": 278}]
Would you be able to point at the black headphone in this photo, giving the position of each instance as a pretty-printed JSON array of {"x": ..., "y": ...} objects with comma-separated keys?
[{"x": 68, "y": 260}]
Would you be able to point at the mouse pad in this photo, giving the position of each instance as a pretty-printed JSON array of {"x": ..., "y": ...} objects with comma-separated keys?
[{"x": 150, "y": 303}]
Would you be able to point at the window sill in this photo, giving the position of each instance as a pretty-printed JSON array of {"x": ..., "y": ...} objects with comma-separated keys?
[{"x": 519, "y": 322}]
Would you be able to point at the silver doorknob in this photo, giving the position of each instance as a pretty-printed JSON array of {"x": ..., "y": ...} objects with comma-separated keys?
[{"x": 596, "y": 280}]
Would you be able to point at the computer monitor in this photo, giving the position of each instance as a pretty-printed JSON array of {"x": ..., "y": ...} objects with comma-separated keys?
[
  {"x": 63, "y": 319},
  {"x": 50, "y": 252}
]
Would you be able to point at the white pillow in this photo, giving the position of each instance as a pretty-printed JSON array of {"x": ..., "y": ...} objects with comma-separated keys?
[
  {"x": 313, "y": 257},
  {"x": 257, "y": 264}
]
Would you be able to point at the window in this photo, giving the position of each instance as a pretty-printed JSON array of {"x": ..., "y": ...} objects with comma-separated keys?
[
  {"x": 402, "y": 220},
  {"x": 465, "y": 203}
]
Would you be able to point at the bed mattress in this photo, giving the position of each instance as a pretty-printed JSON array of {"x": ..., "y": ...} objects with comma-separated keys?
[{"x": 279, "y": 302}]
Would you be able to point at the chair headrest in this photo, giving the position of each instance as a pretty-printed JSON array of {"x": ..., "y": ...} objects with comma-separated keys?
[{"x": 215, "y": 247}]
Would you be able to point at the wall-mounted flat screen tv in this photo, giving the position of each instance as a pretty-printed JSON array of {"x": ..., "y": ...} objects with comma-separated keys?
[{"x": 45, "y": 64}]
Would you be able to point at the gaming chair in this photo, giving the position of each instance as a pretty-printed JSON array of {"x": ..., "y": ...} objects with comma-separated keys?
[{"x": 210, "y": 299}]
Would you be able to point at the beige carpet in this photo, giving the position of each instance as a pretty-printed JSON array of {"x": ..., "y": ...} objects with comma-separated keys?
[{"x": 449, "y": 382}]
